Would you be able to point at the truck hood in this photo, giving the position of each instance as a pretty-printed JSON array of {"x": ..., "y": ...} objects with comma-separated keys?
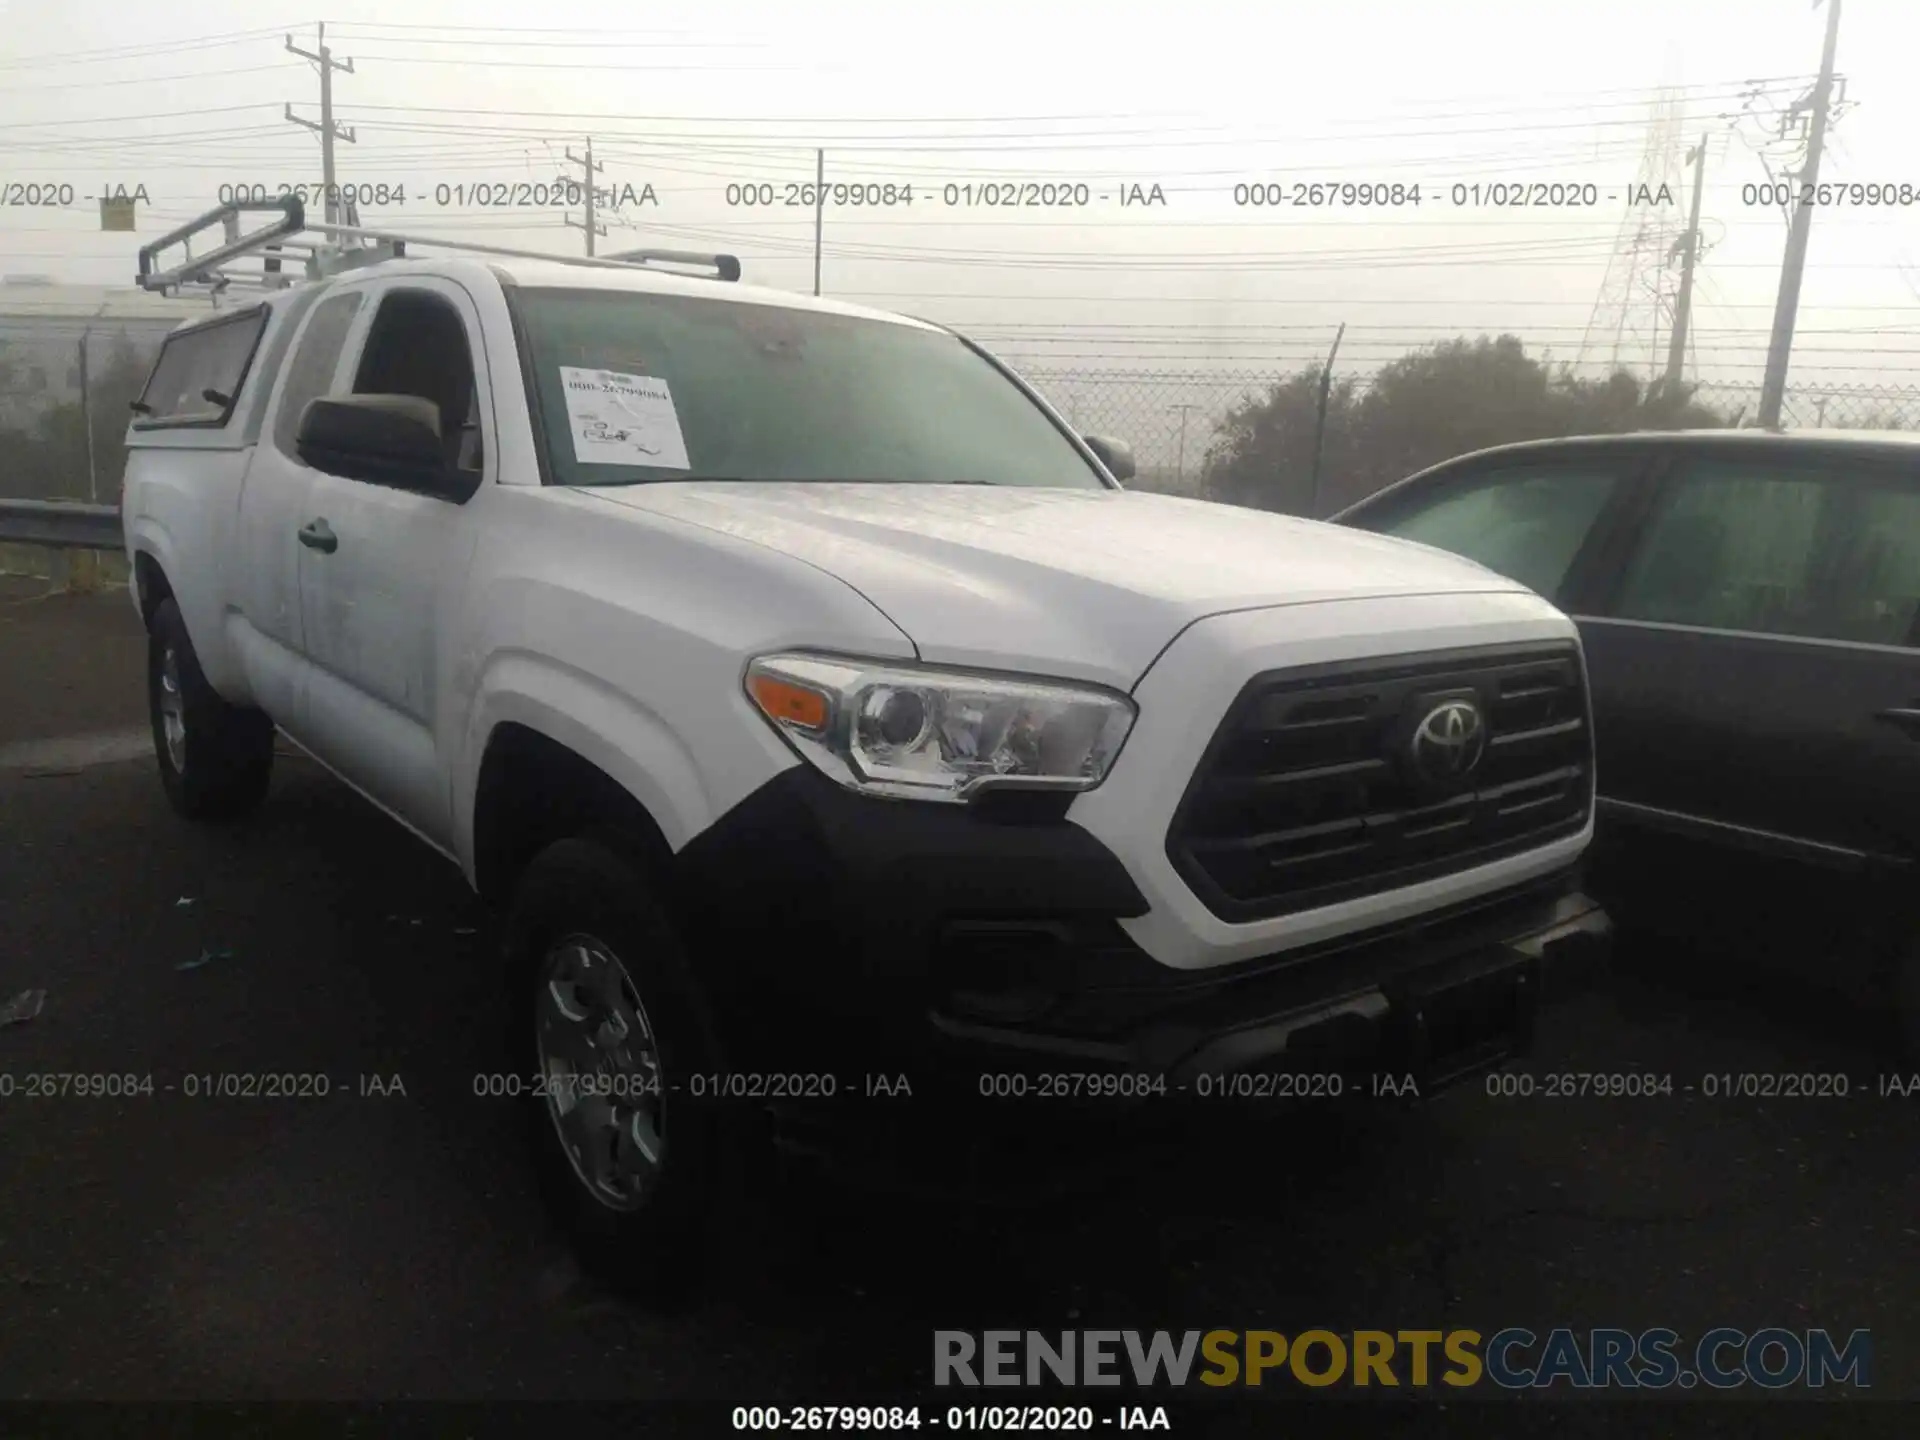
[{"x": 1081, "y": 584}]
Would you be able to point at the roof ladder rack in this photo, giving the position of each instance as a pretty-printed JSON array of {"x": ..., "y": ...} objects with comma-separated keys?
[{"x": 291, "y": 248}]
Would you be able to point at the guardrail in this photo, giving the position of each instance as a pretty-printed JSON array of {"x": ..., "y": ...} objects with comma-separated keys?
[{"x": 61, "y": 525}]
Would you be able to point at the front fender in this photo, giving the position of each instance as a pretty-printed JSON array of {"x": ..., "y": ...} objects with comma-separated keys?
[{"x": 604, "y": 726}]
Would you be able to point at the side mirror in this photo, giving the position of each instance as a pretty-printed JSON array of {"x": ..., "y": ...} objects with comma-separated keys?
[
  {"x": 1116, "y": 455},
  {"x": 382, "y": 439}
]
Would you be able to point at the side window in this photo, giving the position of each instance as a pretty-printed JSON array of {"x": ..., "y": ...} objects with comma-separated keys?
[
  {"x": 418, "y": 346},
  {"x": 1731, "y": 546},
  {"x": 1872, "y": 589},
  {"x": 1526, "y": 522},
  {"x": 310, "y": 372},
  {"x": 195, "y": 366}
]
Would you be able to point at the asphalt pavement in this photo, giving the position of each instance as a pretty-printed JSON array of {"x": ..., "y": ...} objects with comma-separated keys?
[{"x": 383, "y": 1240}]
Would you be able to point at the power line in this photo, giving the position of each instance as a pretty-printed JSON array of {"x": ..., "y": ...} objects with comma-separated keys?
[
  {"x": 195, "y": 113},
  {"x": 466, "y": 63},
  {"x": 144, "y": 79},
  {"x": 109, "y": 54},
  {"x": 518, "y": 43},
  {"x": 1126, "y": 138},
  {"x": 507, "y": 29}
]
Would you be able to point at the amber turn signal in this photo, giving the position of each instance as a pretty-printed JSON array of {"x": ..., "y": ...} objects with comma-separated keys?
[{"x": 789, "y": 703}]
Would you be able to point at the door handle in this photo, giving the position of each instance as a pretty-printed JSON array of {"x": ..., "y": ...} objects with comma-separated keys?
[
  {"x": 318, "y": 535},
  {"x": 1903, "y": 718}
]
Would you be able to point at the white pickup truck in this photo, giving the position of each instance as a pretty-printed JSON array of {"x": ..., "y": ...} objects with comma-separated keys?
[{"x": 813, "y": 703}]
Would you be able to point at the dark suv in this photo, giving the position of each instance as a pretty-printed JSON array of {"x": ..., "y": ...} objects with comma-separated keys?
[{"x": 1750, "y": 603}]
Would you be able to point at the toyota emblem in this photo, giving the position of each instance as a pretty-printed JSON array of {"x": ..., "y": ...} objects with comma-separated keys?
[{"x": 1449, "y": 740}]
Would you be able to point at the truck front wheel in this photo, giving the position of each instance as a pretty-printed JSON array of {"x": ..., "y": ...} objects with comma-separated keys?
[
  {"x": 621, "y": 1064},
  {"x": 215, "y": 759}
]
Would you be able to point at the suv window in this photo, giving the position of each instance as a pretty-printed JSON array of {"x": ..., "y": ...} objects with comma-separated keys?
[
  {"x": 310, "y": 372},
  {"x": 215, "y": 357},
  {"x": 1731, "y": 546},
  {"x": 1526, "y": 521}
]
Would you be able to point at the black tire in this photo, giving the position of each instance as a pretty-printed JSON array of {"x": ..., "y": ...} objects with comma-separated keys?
[
  {"x": 225, "y": 763},
  {"x": 657, "y": 1250}
]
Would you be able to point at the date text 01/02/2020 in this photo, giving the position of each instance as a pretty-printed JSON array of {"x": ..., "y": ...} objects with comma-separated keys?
[
  {"x": 198, "y": 1085},
  {"x": 480, "y": 194},
  {"x": 1376, "y": 193},
  {"x": 967, "y": 195},
  {"x": 700, "y": 1085},
  {"x": 879, "y": 1418},
  {"x": 1714, "y": 1085}
]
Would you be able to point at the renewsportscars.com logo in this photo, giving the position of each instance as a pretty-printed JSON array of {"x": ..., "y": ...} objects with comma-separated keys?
[{"x": 1511, "y": 1359}]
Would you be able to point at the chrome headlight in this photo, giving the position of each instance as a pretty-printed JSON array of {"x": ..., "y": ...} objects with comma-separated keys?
[{"x": 923, "y": 734}]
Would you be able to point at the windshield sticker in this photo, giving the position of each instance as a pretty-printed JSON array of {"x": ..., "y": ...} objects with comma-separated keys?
[{"x": 620, "y": 419}]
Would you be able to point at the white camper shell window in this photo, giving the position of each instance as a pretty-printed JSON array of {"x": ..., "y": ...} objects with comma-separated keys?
[{"x": 197, "y": 378}]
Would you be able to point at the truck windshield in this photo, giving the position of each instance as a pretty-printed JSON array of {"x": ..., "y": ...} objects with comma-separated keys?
[{"x": 632, "y": 388}]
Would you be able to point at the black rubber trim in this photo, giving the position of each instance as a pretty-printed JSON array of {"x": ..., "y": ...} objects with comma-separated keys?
[
  {"x": 1114, "y": 997},
  {"x": 831, "y": 928},
  {"x": 536, "y": 412},
  {"x": 808, "y": 895}
]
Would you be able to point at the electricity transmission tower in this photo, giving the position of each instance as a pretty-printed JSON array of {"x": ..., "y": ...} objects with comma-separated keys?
[{"x": 1630, "y": 313}]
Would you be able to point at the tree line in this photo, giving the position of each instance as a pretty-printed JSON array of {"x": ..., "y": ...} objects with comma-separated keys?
[
  {"x": 1432, "y": 404},
  {"x": 1429, "y": 405}
]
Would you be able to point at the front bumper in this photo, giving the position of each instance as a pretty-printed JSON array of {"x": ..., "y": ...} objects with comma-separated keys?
[{"x": 847, "y": 936}]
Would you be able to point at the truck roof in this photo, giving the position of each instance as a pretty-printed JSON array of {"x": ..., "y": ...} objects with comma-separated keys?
[
  {"x": 292, "y": 254},
  {"x": 558, "y": 275}
]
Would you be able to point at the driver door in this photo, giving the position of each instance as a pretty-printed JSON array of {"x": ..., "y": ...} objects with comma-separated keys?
[{"x": 382, "y": 568}]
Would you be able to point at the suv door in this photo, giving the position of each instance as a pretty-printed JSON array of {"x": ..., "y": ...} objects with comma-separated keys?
[
  {"x": 1753, "y": 655},
  {"x": 382, "y": 567}
]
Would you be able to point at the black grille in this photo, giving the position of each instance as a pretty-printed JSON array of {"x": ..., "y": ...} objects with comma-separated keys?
[{"x": 1314, "y": 791}]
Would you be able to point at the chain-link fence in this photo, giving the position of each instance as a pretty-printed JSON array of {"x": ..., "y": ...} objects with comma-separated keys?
[
  {"x": 1169, "y": 417},
  {"x": 1175, "y": 418},
  {"x": 65, "y": 389},
  {"x": 1831, "y": 407}
]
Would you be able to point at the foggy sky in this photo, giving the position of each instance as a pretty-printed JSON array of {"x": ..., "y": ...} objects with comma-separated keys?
[{"x": 1192, "y": 97}]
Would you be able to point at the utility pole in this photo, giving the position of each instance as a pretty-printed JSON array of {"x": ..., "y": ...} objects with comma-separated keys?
[
  {"x": 329, "y": 131},
  {"x": 591, "y": 224},
  {"x": 1683, "y": 305},
  {"x": 1180, "y": 464},
  {"x": 819, "y": 210},
  {"x": 1774, "y": 387}
]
